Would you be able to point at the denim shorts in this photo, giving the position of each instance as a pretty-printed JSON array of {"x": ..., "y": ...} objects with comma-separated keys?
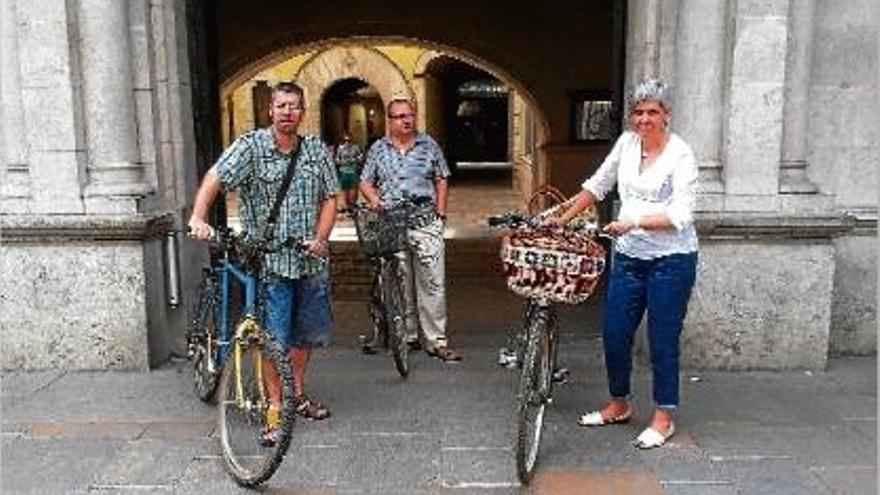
[{"x": 298, "y": 310}]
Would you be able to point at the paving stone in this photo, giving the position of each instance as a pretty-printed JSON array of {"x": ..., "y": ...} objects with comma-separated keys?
[
  {"x": 125, "y": 430},
  {"x": 835, "y": 445},
  {"x": 179, "y": 430},
  {"x": 604, "y": 482},
  {"x": 145, "y": 463},
  {"x": 55, "y": 466},
  {"x": 24, "y": 383},
  {"x": 779, "y": 477},
  {"x": 851, "y": 480},
  {"x": 464, "y": 467},
  {"x": 391, "y": 462}
]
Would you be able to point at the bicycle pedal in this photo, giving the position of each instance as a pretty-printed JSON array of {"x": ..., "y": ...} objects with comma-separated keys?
[
  {"x": 561, "y": 375},
  {"x": 507, "y": 358}
]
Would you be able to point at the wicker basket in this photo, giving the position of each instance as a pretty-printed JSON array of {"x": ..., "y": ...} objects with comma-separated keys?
[
  {"x": 558, "y": 266},
  {"x": 381, "y": 232}
]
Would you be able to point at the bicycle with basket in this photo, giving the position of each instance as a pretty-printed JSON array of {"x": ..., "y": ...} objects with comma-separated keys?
[
  {"x": 546, "y": 266},
  {"x": 383, "y": 234}
]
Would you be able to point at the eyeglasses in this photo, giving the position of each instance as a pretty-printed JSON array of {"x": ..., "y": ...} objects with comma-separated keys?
[
  {"x": 290, "y": 106},
  {"x": 400, "y": 116}
]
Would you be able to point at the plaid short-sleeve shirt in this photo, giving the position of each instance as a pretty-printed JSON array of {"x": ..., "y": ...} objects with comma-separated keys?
[
  {"x": 255, "y": 167},
  {"x": 402, "y": 175}
]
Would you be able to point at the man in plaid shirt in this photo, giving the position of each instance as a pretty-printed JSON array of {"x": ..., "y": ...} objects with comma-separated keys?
[
  {"x": 297, "y": 305},
  {"x": 407, "y": 164}
]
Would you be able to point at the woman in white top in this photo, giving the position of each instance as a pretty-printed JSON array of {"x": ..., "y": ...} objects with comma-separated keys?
[{"x": 655, "y": 256}]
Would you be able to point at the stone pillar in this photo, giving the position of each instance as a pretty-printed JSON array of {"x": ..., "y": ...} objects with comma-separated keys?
[
  {"x": 14, "y": 180},
  {"x": 114, "y": 172},
  {"x": 755, "y": 100},
  {"x": 698, "y": 115},
  {"x": 796, "y": 111}
]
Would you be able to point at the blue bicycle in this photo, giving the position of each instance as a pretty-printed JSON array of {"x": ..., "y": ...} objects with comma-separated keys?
[{"x": 240, "y": 364}]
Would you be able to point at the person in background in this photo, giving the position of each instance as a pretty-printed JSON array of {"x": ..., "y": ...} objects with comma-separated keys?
[{"x": 349, "y": 155}]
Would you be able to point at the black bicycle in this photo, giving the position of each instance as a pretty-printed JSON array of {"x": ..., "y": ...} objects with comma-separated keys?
[
  {"x": 534, "y": 347},
  {"x": 382, "y": 235},
  {"x": 238, "y": 362}
]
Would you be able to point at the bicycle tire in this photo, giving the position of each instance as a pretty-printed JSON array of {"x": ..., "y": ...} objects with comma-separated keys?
[
  {"x": 202, "y": 336},
  {"x": 534, "y": 394},
  {"x": 248, "y": 458},
  {"x": 377, "y": 313},
  {"x": 395, "y": 317}
]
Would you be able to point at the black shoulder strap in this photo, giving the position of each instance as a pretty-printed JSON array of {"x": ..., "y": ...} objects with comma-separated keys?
[{"x": 282, "y": 192}]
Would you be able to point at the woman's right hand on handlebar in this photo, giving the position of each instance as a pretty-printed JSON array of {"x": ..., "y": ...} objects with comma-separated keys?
[{"x": 199, "y": 229}]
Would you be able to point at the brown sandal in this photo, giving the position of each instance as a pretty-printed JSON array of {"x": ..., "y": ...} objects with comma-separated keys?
[
  {"x": 444, "y": 354},
  {"x": 310, "y": 408}
]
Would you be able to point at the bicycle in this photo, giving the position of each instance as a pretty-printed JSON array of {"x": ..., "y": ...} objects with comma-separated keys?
[
  {"x": 535, "y": 345},
  {"x": 382, "y": 234},
  {"x": 234, "y": 362}
]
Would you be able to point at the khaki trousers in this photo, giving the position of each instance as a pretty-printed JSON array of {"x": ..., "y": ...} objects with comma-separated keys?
[{"x": 424, "y": 275}]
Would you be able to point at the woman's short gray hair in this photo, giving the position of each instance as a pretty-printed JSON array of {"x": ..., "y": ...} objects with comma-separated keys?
[{"x": 651, "y": 89}]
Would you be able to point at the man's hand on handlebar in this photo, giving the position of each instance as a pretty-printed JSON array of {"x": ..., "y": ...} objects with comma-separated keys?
[
  {"x": 318, "y": 248},
  {"x": 199, "y": 229}
]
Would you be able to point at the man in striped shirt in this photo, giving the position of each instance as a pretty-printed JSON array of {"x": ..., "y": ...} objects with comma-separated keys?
[
  {"x": 407, "y": 164},
  {"x": 297, "y": 304}
]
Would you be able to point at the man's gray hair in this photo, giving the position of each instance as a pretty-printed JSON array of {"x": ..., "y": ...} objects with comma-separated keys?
[{"x": 651, "y": 89}]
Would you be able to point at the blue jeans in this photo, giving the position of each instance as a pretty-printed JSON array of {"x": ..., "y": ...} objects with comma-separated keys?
[
  {"x": 298, "y": 311},
  {"x": 663, "y": 286}
]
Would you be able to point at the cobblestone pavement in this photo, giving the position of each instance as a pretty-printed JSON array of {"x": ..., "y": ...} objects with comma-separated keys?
[{"x": 449, "y": 429}]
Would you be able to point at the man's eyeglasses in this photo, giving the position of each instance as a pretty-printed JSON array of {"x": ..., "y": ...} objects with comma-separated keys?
[
  {"x": 400, "y": 116},
  {"x": 289, "y": 106}
]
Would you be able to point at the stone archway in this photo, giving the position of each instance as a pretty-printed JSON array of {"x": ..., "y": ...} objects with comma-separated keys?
[{"x": 343, "y": 62}]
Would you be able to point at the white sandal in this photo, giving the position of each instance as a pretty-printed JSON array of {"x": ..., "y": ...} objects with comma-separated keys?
[
  {"x": 651, "y": 438},
  {"x": 594, "y": 418}
]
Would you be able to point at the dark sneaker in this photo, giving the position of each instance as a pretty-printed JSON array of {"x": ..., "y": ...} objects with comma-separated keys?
[
  {"x": 310, "y": 408},
  {"x": 444, "y": 354},
  {"x": 414, "y": 345}
]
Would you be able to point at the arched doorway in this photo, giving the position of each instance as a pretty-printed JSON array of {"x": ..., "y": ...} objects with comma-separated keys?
[
  {"x": 487, "y": 126},
  {"x": 474, "y": 111},
  {"x": 354, "y": 107}
]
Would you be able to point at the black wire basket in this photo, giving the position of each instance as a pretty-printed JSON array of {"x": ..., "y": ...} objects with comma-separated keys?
[{"x": 382, "y": 232}]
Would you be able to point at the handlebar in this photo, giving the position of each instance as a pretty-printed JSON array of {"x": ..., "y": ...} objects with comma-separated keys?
[
  {"x": 227, "y": 239},
  {"x": 414, "y": 201}
]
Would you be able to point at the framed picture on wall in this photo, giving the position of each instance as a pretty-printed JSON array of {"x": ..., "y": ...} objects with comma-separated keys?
[{"x": 593, "y": 117}]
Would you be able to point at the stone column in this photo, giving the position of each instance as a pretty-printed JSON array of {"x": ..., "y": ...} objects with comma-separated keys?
[
  {"x": 14, "y": 180},
  {"x": 796, "y": 111},
  {"x": 109, "y": 109},
  {"x": 755, "y": 100},
  {"x": 698, "y": 115}
]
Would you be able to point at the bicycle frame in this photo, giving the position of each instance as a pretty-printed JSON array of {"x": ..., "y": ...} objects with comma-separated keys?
[{"x": 228, "y": 273}]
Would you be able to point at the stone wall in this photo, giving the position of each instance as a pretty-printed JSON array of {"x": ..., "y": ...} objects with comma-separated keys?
[
  {"x": 760, "y": 305},
  {"x": 76, "y": 305},
  {"x": 97, "y": 161}
]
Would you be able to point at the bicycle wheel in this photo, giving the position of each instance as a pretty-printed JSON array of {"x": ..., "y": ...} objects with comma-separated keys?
[
  {"x": 393, "y": 302},
  {"x": 534, "y": 394},
  {"x": 253, "y": 437},
  {"x": 377, "y": 313},
  {"x": 202, "y": 339}
]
